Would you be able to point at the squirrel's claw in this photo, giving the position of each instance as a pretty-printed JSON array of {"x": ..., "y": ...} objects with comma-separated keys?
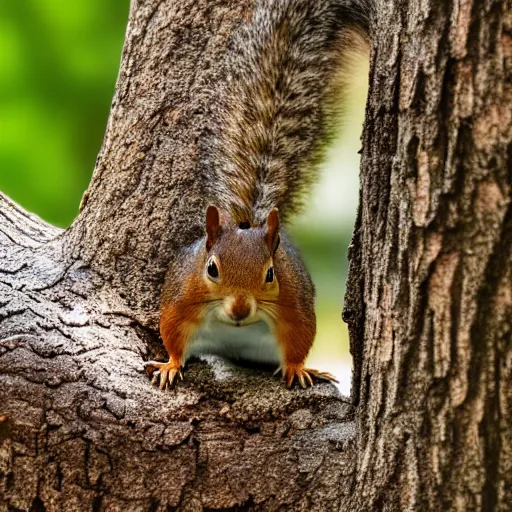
[
  {"x": 290, "y": 377},
  {"x": 309, "y": 379},
  {"x": 304, "y": 375},
  {"x": 165, "y": 374},
  {"x": 279, "y": 370},
  {"x": 328, "y": 377}
]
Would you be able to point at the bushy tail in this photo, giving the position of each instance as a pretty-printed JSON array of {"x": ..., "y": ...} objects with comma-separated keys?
[{"x": 285, "y": 69}]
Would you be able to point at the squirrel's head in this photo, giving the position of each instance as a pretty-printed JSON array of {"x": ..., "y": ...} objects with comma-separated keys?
[{"x": 239, "y": 266}]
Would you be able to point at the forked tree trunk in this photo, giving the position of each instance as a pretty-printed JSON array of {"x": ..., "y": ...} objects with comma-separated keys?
[{"x": 429, "y": 301}]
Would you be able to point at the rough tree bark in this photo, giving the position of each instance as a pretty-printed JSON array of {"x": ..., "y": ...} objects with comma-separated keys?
[
  {"x": 429, "y": 300},
  {"x": 432, "y": 258}
]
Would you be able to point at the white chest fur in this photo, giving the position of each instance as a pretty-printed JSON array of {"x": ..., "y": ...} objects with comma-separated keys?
[{"x": 253, "y": 342}]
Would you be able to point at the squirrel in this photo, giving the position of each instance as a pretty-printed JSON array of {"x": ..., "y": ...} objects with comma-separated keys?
[{"x": 242, "y": 290}]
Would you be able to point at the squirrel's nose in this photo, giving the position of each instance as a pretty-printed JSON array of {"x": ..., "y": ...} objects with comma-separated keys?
[
  {"x": 240, "y": 313},
  {"x": 239, "y": 310}
]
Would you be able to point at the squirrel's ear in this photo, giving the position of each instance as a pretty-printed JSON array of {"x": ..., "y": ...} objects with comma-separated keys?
[
  {"x": 272, "y": 234},
  {"x": 212, "y": 226}
]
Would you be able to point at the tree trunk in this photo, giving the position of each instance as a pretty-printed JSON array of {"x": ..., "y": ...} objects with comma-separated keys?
[{"x": 429, "y": 301}]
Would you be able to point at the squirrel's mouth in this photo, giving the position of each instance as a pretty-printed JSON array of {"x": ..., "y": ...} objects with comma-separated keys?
[
  {"x": 225, "y": 319},
  {"x": 237, "y": 323}
]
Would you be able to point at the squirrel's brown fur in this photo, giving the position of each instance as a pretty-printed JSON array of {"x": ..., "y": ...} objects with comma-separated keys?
[{"x": 246, "y": 271}]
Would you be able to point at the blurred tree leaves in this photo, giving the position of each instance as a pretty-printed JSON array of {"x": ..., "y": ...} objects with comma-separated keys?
[{"x": 58, "y": 66}]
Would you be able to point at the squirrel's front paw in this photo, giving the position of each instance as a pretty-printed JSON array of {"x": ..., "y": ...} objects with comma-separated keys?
[
  {"x": 303, "y": 375},
  {"x": 165, "y": 373}
]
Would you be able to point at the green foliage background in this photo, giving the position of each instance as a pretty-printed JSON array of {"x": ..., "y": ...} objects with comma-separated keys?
[{"x": 58, "y": 66}]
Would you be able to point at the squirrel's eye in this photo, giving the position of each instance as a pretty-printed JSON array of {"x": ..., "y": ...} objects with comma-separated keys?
[
  {"x": 270, "y": 275},
  {"x": 212, "y": 269}
]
